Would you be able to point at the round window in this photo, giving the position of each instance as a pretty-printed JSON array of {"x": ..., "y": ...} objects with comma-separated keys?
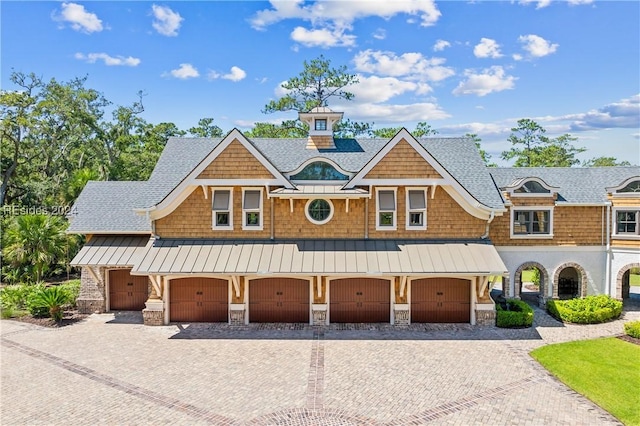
[{"x": 319, "y": 211}]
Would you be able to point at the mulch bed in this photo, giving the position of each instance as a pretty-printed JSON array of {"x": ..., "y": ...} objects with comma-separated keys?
[
  {"x": 629, "y": 339},
  {"x": 70, "y": 317}
]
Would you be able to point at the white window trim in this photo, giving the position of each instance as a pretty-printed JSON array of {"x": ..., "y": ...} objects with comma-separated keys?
[
  {"x": 214, "y": 226},
  {"x": 408, "y": 212},
  {"x": 312, "y": 220},
  {"x": 531, "y": 236},
  {"x": 614, "y": 225},
  {"x": 394, "y": 227},
  {"x": 260, "y": 210}
]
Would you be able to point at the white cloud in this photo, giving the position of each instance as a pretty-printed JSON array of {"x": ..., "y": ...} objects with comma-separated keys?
[
  {"x": 166, "y": 21},
  {"x": 441, "y": 45},
  {"x": 79, "y": 18},
  {"x": 344, "y": 13},
  {"x": 185, "y": 72},
  {"x": 380, "y": 89},
  {"x": 389, "y": 113},
  {"x": 487, "y": 48},
  {"x": 622, "y": 114},
  {"x": 236, "y": 74},
  {"x": 108, "y": 60},
  {"x": 537, "y": 46},
  {"x": 331, "y": 20},
  {"x": 412, "y": 65},
  {"x": 324, "y": 37},
  {"x": 517, "y": 57},
  {"x": 491, "y": 80},
  {"x": 579, "y": 2},
  {"x": 539, "y": 3},
  {"x": 380, "y": 34}
]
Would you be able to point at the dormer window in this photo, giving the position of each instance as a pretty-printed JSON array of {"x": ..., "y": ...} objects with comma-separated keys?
[
  {"x": 531, "y": 187},
  {"x": 321, "y": 124},
  {"x": 632, "y": 187},
  {"x": 319, "y": 170}
]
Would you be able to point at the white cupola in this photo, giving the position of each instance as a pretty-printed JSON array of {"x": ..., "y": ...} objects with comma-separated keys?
[{"x": 320, "y": 121}]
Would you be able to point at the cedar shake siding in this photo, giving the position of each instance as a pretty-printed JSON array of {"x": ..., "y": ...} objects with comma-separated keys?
[
  {"x": 235, "y": 162},
  {"x": 402, "y": 162}
]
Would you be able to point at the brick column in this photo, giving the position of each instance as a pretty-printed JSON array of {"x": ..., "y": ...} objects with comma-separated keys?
[{"x": 92, "y": 298}]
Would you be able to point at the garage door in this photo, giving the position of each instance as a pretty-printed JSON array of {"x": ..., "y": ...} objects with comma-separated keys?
[
  {"x": 440, "y": 300},
  {"x": 359, "y": 300},
  {"x": 198, "y": 300},
  {"x": 127, "y": 292},
  {"x": 279, "y": 300}
]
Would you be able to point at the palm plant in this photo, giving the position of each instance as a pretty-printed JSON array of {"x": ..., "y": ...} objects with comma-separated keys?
[
  {"x": 53, "y": 299},
  {"x": 34, "y": 241}
]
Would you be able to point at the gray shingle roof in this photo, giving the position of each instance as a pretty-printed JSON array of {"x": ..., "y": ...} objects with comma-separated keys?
[
  {"x": 179, "y": 157},
  {"x": 106, "y": 207},
  {"x": 577, "y": 185}
]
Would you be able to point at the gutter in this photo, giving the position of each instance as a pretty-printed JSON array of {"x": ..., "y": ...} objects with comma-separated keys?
[{"x": 607, "y": 266}]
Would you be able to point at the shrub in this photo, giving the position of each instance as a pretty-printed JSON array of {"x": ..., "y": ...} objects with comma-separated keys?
[
  {"x": 72, "y": 288},
  {"x": 516, "y": 314},
  {"x": 632, "y": 328},
  {"x": 586, "y": 310},
  {"x": 51, "y": 300}
]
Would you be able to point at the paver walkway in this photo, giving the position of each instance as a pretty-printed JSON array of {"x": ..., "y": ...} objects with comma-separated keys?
[{"x": 113, "y": 370}]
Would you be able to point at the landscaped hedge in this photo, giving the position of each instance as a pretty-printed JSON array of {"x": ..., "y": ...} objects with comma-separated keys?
[
  {"x": 632, "y": 329},
  {"x": 587, "y": 310},
  {"x": 516, "y": 314}
]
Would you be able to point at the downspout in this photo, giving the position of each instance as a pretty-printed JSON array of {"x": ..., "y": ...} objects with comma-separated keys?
[
  {"x": 366, "y": 217},
  {"x": 273, "y": 225},
  {"x": 486, "y": 232},
  {"x": 607, "y": 266}
]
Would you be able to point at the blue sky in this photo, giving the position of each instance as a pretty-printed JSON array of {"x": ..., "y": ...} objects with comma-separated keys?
[{"x": 463, "y": 67}]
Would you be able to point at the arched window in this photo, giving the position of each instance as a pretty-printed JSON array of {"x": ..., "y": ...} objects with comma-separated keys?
[
  {"x": 531, "y": 187},
  {"x": 319, "y": 170},
  {"x": 633, "y": 186}
]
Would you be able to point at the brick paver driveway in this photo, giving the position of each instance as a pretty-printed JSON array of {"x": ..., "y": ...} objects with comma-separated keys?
[{"x": 113, "y": 370}]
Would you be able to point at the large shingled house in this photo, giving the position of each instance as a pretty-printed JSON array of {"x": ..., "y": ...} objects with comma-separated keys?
[{"x": 324, "y": 230}]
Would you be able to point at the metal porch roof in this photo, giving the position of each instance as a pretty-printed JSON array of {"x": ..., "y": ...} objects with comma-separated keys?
[
  {"x": 319, "y": 257},
  {"x": 111, "y": 251}
]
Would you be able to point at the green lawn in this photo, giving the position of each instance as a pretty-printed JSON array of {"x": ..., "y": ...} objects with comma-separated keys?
[
  {"x": 634, "y": 279},
  {"x": 527, "y": 276},
  {"x": 607, "y": 371}
]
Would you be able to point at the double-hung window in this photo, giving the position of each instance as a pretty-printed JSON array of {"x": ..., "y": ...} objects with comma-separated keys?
[
  {"x": 531, "y": 223},
  {"x": 386, "y": 210},
  {"x": 252, "y": 209},
  {"x": 222, "y": 208},
  {"x": 627, "y": 222},
  {"x": 416, "y": 209}
]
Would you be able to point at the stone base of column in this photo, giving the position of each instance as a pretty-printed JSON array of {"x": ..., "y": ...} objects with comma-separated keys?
[
  {"x": 319, "y": 311},
  {"x": 485, "y": 317},
  {"x": 90, "y": 306},
  {"x": 401, "y": 314},
  {"x": 236, "y": 314}
]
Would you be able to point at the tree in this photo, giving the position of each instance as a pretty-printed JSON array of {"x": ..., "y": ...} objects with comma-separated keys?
[
  {"x": 287, "y": 129},
  {"x": 604, "y": 162},
  {"x": 422, "y": 130},
  {"x": 531, "y": 148},
  {"x": 529, "y": 135},
  {"x": 34, "y": 242},
  {"x": 486, "y": 157},
  {"x": 206, "y": 129},
  {"x": 313, "y": 87}
]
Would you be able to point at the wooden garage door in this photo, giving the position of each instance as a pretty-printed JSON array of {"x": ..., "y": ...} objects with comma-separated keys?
[
  {"x": 279, "y": 300},
  {"x": 440, "y": 300},
  {"x": 127, "y": 292},
  {"x": 199, "y": 299},
  {"x": 359, "y": 300}
]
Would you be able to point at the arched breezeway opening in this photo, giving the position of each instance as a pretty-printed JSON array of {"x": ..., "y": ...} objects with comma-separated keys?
[
  {"x": 628, "y": 277},
  {"x": 569, "y": 281},
  {"x": 531, "y": 283}
]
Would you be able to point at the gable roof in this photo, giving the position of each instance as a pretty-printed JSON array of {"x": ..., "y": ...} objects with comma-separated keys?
[
  {"x": 107, "y": 207},
  {"x": 575, "y": 184}
]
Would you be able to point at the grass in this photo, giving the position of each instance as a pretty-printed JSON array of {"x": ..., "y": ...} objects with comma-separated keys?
[
  {"x": 606, "y": 371},
  {"x": 527, "y": 276},
  {"x": 634, "y": 279}
]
